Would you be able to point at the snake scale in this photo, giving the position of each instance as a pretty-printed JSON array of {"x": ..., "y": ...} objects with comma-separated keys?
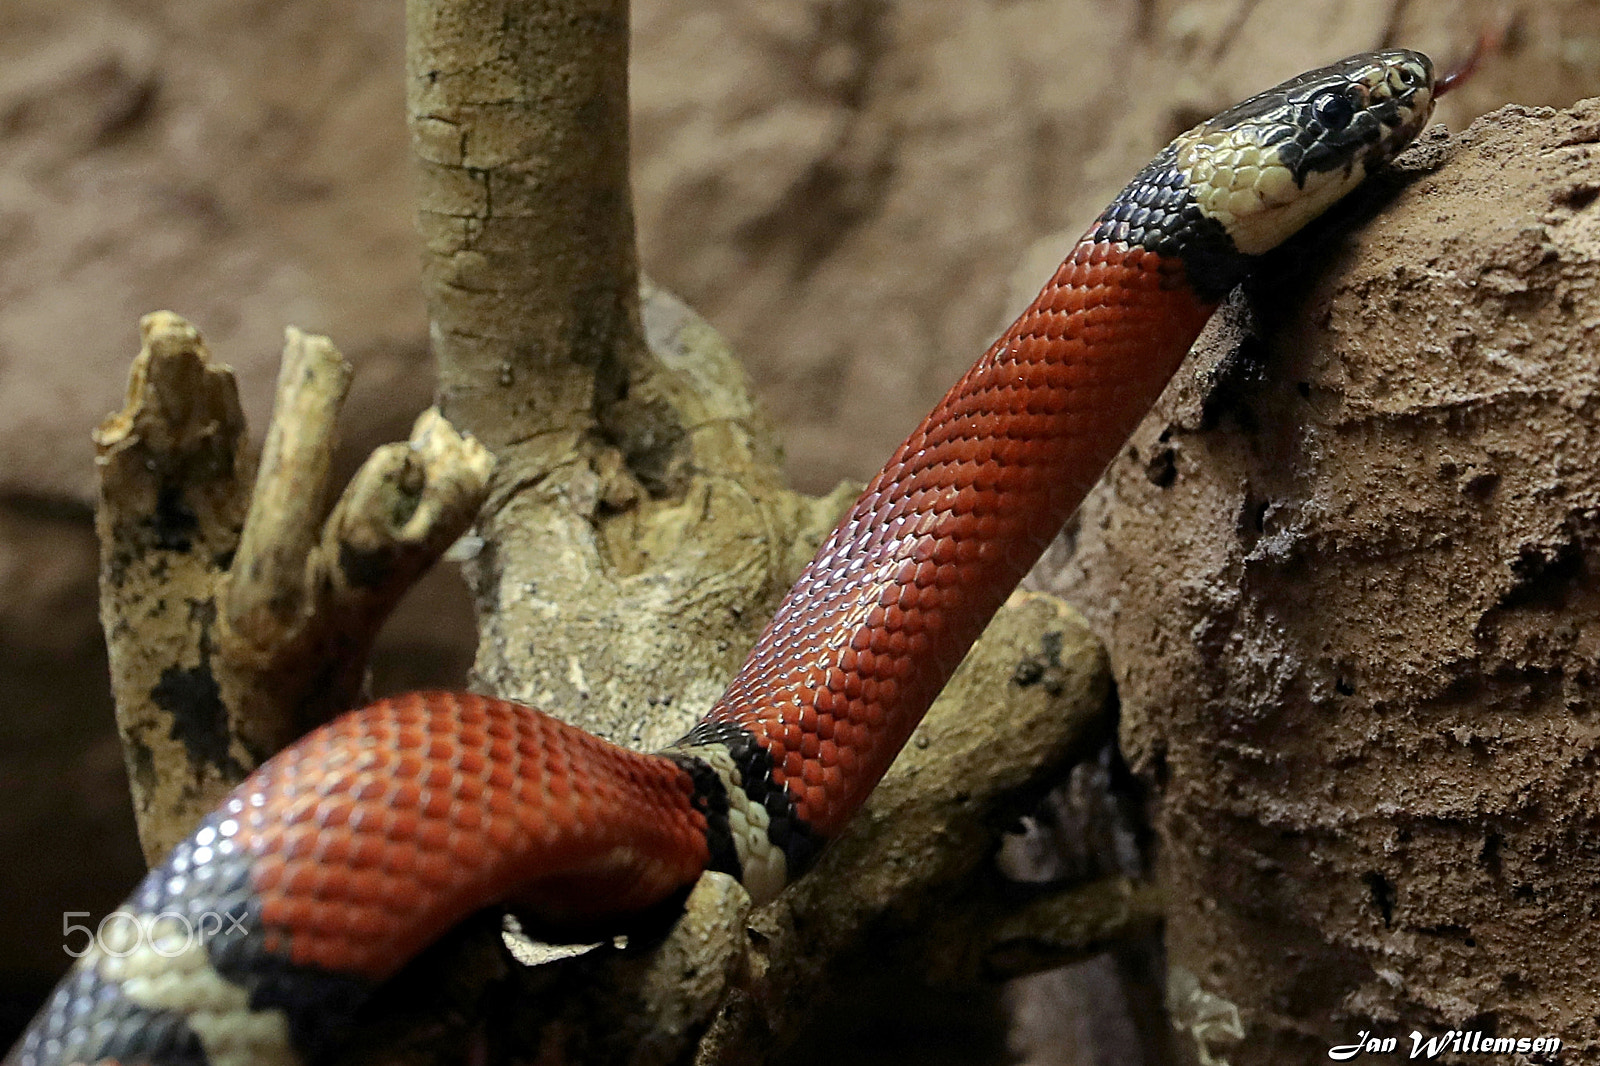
[{"x": 346, "y": 854}]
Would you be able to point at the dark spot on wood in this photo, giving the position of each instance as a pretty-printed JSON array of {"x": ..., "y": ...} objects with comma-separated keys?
[
  {"x": 363, "y": 569},
  {"x": 1162, "y": 469},
  {"x": 1028, "y": 672},
  {"x": 172, "y": 522},
  {"x": 199, "y": 717},
  {"x": 1044, "y": 667},
  {"x": 143, "y": 769}
]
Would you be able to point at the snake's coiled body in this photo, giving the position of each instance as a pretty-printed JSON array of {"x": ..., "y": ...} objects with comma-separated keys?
[{"x": 339, "y": 859}]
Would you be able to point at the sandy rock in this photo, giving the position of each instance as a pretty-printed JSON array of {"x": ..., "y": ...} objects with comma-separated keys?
[{"x": 1351, "y": 607}]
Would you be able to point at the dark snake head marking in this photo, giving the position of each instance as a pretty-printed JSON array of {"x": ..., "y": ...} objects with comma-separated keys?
[
  {"x": 1264, "y": 168},
  {"x": 1241, "y": 183}
]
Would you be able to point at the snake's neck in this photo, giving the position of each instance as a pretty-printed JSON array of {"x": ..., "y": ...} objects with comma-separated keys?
[{"x": 882, "y": 616}]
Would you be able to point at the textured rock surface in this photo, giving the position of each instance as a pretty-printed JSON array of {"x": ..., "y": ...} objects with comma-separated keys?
[{"x": 1353, "y": 612}]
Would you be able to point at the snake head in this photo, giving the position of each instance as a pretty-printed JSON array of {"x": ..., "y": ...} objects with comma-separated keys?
[{"x": 1264, "y": 168}]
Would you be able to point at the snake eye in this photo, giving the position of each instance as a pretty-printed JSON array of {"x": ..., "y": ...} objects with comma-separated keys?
[{"x": 1333, "y": 109}]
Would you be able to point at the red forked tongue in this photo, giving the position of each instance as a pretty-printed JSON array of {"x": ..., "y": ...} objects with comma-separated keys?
[{"x": 1488, "y": 42}]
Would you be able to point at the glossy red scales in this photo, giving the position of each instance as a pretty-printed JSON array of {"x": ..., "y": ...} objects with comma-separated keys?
[
  {"x": 341, "y": 858},
  {"x": 430, "y": 806},
  {"x": 879, "y": 620}
]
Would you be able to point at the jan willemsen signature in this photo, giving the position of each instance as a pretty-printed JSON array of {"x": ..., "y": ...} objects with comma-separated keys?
[{"x": 1451, "y": 1041}]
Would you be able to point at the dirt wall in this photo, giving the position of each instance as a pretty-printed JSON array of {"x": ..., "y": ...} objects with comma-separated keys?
[{"x": 1351, "y": 598}]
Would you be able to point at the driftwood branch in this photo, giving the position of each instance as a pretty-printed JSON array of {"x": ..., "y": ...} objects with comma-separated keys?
[
  {"x": 267, "y": 597},
  {"x": 638, "y": 536},
  {"x": 237, "y": 620},
  {"x": 911, "y": 883}
]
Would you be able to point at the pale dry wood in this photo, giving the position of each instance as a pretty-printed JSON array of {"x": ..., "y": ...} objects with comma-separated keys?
[
  {"x": 172, "y": 471},
  {"x": 231, "y": 635},
  {"x": 266, "y": 599},
  {"x": 405, "y": 506},
  {"x": 638, "y": 536}
]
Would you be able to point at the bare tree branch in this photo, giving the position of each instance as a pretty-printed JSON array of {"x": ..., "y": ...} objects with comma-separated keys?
[
  {"x": 267, "y": 597},
  {"x": 236, "y": 622}
]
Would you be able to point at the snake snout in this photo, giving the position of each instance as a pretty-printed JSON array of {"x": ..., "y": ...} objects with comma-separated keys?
[
  {"x": 1402, "y": 97},
  {"x": 1262, "y": 169}
]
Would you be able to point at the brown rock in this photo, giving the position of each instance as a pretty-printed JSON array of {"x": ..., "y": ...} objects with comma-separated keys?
[{"x": 1352, "y": 609}]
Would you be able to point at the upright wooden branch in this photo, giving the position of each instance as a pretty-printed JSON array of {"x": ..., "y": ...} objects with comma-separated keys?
[
  {"x": 234, "y": 621},
  {"x": 173, "y": 468},
  {"x": 519, "y": 119},
  {"x": 639, "y": 532},
  {"x": 638, "y": 537},
  {"x": 268, "y": 597}
]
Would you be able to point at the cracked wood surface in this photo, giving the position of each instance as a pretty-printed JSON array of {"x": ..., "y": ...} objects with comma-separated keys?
[
  {"x": 638, "y": 536},
  {"x": 238, "y": 618}
]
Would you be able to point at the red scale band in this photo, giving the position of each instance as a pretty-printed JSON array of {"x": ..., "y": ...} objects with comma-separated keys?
[{"x": 971, "y": 499}]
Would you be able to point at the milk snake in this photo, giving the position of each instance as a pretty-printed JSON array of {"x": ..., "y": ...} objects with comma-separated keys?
[{"x": 345, "y": 855}]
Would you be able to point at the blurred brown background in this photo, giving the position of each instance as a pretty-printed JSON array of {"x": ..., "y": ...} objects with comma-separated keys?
[{"x": 845, "y": 187}]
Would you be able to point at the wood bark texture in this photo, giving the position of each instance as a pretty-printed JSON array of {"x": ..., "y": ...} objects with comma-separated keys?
[
  {"x": 637, "y": 538},
  {"x": 236, "y": 616}
]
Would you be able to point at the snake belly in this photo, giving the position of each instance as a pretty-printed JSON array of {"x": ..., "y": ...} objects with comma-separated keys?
[{"x": 343, "y": 856}]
